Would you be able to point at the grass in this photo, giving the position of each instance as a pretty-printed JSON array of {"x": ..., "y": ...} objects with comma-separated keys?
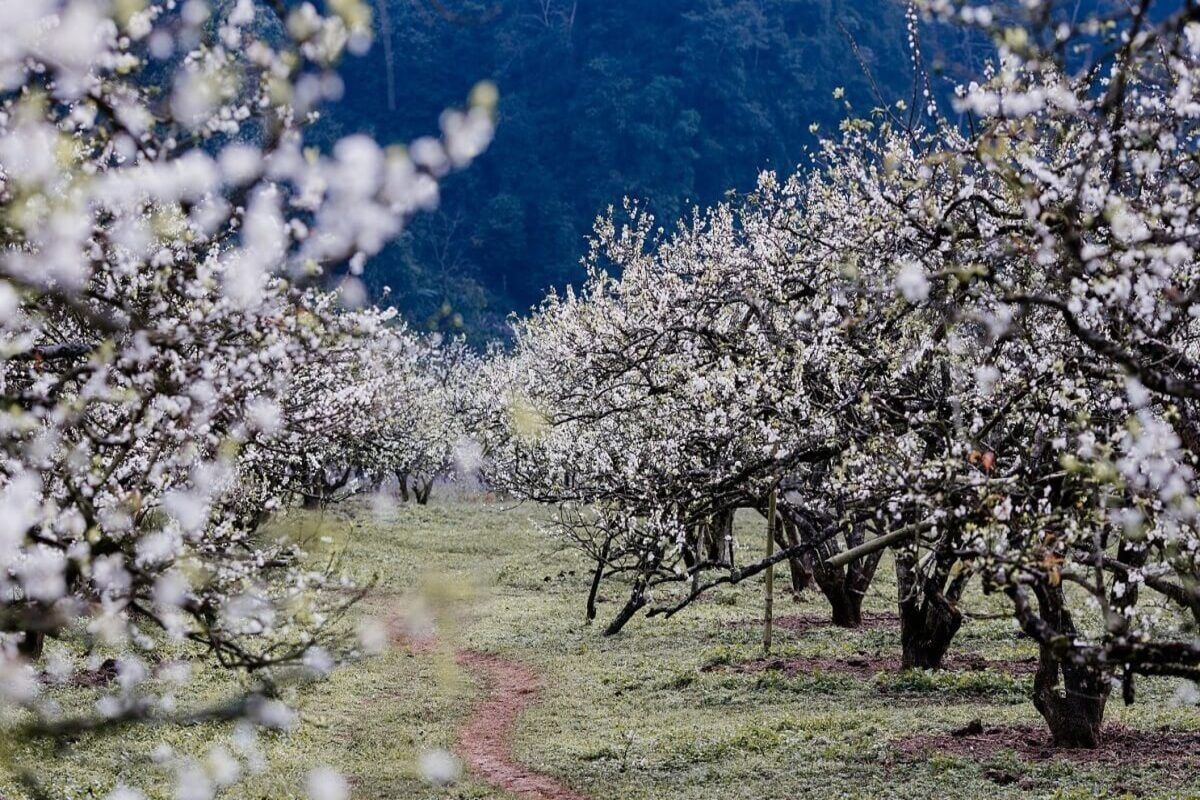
[{"x": 634, "y": 717}]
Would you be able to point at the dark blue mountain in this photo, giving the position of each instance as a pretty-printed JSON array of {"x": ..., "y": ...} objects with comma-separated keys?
[{"x": 672, "y": 102}]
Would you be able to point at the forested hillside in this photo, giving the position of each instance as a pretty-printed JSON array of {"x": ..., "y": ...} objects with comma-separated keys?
[{"x": 672, "y": 103}]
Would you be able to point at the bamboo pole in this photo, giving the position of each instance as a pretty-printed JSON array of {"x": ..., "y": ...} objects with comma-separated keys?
[
  {"x": 878, "y": 543},
  {"x": 770, "y": 598}
]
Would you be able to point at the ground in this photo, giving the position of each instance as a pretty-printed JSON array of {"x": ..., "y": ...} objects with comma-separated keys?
[{"x": 673, "y": 708}]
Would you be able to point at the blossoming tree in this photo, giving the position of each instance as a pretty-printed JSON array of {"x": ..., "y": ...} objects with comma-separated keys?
[
  {"x": 165, "y": 229},
  {"x": 970, "y": 340}
]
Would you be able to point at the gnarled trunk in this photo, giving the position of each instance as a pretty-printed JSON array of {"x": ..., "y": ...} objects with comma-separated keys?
[
  {"x": 845, "y": 608},
  {"x": 927, "y": 627},
  {"x": 844, "y": 587},
  {"x": 1075, "y": 712},
  {"x": 929, "y": 615}
]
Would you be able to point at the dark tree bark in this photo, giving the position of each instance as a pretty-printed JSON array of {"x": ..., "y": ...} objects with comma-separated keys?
[
  {"x": 928, "y": 607},
  {"x": 637, "y": 594},
  {"x": 724, "y": 531},
  {"x": 711, "y": 541},
  {"x": 928, "y": 618},
  {"x": 692, "y": 546},
  {"x": 422, "y": 490},
  {"x": 32, "y": 644},
  {"x": 636, "y": 602},
  {"x": 800, "y": 566},
  {"x": 832, "y": 583},
  {"x": 1074, "y": 713},
  {"x": 601, "y": 563},
  {"x": 402, "y": 479},
  {"x": 843, "y": 587}
]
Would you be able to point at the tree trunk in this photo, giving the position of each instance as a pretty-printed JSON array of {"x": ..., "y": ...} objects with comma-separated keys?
[
  {"x": 637, "y": 594},
  {"x": 32, "y": 644},
  {"x": 635, "y": 603},
  {"x": 402, "y": 479},
  {"x": 926, "y": 630},
  {"x": 724, "y": 533},
  {"x": 692, "y": 545},
  {"x": 769, "y": 605},
  {"x": 1075, "y": 713},
  {"x": 800, "y": 566},
  {"x": 717, "y": 536},
  {"x": 422, "y": 489},
  {"x": 596, "y": 576},
  {"x": 846, "y": 608},
  {"x": 844, "y": 587},
  {"x": 928, "y": 619}
]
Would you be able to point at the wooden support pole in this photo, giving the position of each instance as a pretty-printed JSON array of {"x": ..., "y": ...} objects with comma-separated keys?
[
  {"x": 770, "y": 599},
  {"x": 878, "y": 543}
]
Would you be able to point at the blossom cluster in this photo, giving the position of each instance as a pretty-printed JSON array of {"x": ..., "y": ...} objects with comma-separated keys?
[{"x": 182, "y": 351}]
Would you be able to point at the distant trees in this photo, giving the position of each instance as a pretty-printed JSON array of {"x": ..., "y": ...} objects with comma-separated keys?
[
  {"x": 972, "y": 344},
  {"x": 424, "y": 422},
  {"x": 377, "y": 404}
]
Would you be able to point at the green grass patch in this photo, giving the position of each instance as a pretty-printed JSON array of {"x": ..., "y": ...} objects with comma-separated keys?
[
  {"x": 988, "y": 683},
  {"x": 653, "y": 713}
]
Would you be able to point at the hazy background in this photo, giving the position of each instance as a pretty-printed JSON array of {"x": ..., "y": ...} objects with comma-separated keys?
[{"x": 671, "y": 102}]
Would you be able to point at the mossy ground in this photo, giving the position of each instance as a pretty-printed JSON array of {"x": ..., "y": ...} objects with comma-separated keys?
[{"x": 633, "y": 716}]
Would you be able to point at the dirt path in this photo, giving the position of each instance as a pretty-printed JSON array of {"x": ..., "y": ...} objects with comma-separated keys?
[{"x": 485, "y": 740}]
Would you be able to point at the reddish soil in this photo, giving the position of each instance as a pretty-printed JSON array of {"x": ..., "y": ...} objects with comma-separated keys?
[
  {"x": 485, "y": 740},
  {"x": 422, "y": 643},
  {"x": 87, "y": 678},
  {"x": 866, "y": 666},
  {"x": 1119, "y": 746},
  {"x": 97, "y": 678}
]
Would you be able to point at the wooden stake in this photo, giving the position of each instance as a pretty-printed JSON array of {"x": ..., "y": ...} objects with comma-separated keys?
[{"x": 770, "y": 604}]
